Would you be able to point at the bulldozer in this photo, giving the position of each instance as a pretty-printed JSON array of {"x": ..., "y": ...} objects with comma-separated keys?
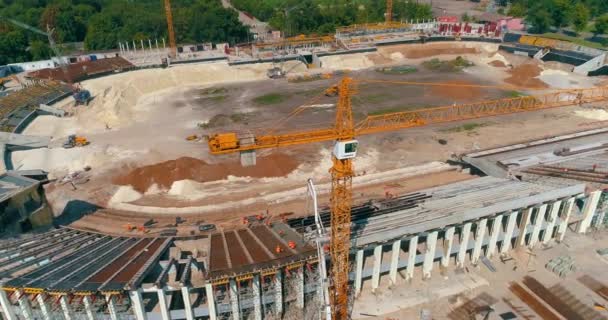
[{"x": 75, "y": 141}]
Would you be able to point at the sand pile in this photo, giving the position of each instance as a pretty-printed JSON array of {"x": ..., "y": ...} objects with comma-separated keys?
[
  {"x": 457, "y": 93},
  {"x": 497, "y": 64},
  {"x": 429, "y": 50},
  {"x": 165, "y": 173},
  {"x": 526, "y": 75},
  {"x": 594, "y": 114}
]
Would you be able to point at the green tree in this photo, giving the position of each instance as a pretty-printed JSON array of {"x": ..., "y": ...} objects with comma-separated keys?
[
  {"x": 580, "y": 17},
  {"x": 40, "y": 50},
  {"x": 561, "y": 12},
  {"x": 540, "y": 19},
  {"x": 601, "y": 25},
  {"x": 517, "y": 10}
]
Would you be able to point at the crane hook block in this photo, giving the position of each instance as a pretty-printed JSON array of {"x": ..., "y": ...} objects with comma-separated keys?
[{"x": 346, "y": 149}]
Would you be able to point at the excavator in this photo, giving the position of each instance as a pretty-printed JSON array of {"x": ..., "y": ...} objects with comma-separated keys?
[
  {"x": 75, "y": 141},
  {"x": 344, "y": 132}
]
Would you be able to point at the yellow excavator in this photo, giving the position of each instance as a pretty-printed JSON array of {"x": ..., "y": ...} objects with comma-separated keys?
[{"x": 75, "y": 141}]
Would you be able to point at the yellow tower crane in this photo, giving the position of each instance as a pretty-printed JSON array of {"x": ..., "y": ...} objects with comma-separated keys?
[
  {"x": 344, "y": 132},
  {"x": 172, "y": 44}
]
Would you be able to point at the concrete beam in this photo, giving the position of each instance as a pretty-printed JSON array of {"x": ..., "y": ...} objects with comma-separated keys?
[
  {"x": 464, "y": 243},
  {"x": 565, "y": 218},
  {"x": 44, "y": 306},
  {"x": 411, "y": 259},
  {"x": 187, "y": 303},
  {"x": 506, "y": 243},
  {"x": 278, "y": 291},
  {"x": 211, "y": 301},
  {"x": 589, "y": 211},
  {"x": 111, "y": 301},
  {"x": 7, "y": 307},
  {"x": 551, "y": 222},
  {"x": 25, "y": 306},
  {"x": 429, "y": 257},
  {"x": 395, "y": 251},
  {"x": 65, "y": 306},
  {"x": 88, "y": 307},
  {"x": 358, "y": 271},
  {"x": 376, "y": 268},
  {"x": 448, "y": 242},
  {"x": 496, "y": 227},
  {"x": 257, "y": 298},
  {"x": 479, "y": 235},
  {"x": 136, "y": 303},
  {"x": 162, "y": 303},
  {"x": 523, "y": 224},
  {"x": 234, "y": 300},
  {"x": 300, "y": 288},
  {"x": 538, "y": 222}
]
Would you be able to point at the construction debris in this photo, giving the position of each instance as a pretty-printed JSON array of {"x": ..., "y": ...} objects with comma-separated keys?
[{"x": 562, "y": 266}]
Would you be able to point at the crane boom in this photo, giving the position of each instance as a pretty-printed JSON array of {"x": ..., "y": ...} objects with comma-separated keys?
[
  {"x": 229, "y": 143},
  {"x": 172, "y": 43}
]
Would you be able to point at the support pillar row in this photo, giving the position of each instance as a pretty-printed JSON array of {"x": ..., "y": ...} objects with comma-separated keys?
[
  {"x": 411, "y": 258},
  {"x": 429, "y": 257}
]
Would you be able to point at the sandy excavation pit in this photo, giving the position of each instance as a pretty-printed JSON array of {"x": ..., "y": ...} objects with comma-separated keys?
[{"x": 139, "y": 120}]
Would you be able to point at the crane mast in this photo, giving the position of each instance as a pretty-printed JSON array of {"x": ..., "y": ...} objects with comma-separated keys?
[
  {"x": 340, "y": 200},
  {"x": 389, "y": 11},
  {"x": 172, "y": 44}
]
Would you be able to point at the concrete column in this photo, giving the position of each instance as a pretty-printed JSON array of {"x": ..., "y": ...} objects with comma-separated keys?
[
  {"x": 67, "y": 311},
  {"x": 376, "y": 268},
  {"x": 479, "y": 235},
  {"x": 411, "y": 258},
  {"x": 496, "y": 224},
  {"x": 187, "y": 303},
  {"x": 523, "y": 224},
  {"x": 88, "y": 307},
  {"x": 24, "y": 305},
  {"x": 551, "y": 221},
  {"x": 395, "y": 251},
  {"x": 538, "y": 223},
  {"x": 7, "y": 307},
  {"x": 111, "y": 301},
  {"x": 589, "y": 211},
  {"x": 448, "y": 242},
  {"x": 565, "y": 217},
  {"x": 506, "y": 242},
  {"x": 431, "y": 245},
  {"x": 234, "y": 300},
  {"x": 162, "y": 303},
  {"x": 257, "y": 298},
  {"x": 278, "y": 291},
  {"x": 300, "y": 288},
  {"x": 44, "y": 306},
  {"x": 137, "y": 305},
  {"x": 464, "y": 242},
  {"x": 211, "y": 301},
  {"x": 359, "y": 271}
]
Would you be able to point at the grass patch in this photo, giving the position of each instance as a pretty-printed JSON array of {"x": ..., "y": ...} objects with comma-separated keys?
[
  {"x": 271, "y": 98},
  {"x": 376, "y": 98},
  {"x": 380, "y": 112},
  {"x": 576, "y": 40},
  {"x": 447, "y": 65},
  {"x": 397, "y": 70},
  {"x": 214, "y": 91},
  {"x": 514, "y": 94},
  {"x": 467, "y": 127},
  {"x": 221, "y": 120}
]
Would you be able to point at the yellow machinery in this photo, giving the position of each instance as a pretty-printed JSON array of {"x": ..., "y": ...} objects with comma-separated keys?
[
  {"x": 344, "y": 132},
  {"x": 76, "y": 141}
]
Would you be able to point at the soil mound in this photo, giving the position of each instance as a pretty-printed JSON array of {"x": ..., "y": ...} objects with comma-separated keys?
[
  {"x": 457, "y": 93},
  {"x": 525, "y": 76},
  {"x": 165, "y": 173},
  {"x": 498, "y": 64}
]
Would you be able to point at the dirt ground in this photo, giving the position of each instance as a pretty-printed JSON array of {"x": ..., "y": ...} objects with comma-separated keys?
[{"x": 139, "y": 121}]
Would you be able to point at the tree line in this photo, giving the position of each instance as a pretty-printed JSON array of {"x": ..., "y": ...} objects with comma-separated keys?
[
  {"x": 296, "y": 17},
  {"x": 101, "y": 24},
  {"x": 544, "y": 15}
]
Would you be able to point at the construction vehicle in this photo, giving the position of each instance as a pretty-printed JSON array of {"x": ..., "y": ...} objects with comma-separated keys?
[
  {"x": 75, "y": 141},
  {"x": 344, "y": 133}
]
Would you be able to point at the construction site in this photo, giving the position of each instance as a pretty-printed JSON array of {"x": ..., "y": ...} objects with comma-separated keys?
[{"x": 399, "y": 170}]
